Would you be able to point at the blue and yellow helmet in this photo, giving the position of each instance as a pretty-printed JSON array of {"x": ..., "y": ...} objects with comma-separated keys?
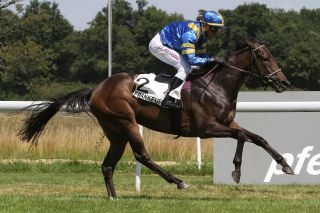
[{"x": 213, "y": 18}]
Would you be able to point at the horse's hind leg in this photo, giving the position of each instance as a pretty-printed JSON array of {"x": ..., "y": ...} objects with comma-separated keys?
[
  {"x": 141, "y": 155},
  {"x": 117, "y": 147}
]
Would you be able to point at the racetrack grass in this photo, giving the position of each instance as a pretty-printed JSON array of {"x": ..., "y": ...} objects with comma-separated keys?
[
  {"x": 80, "y": 137},
  {"x": 27, "y": 191},
  {"x": 64, "y": 166}
]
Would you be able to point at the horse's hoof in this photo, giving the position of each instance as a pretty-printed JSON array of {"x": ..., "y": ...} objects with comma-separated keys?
[
  {"x": 182, "y": 185},
  {"x": 236, "y": 176},
  {"x": 288, "y": 170},
  {"x": 113, "y": 198}
]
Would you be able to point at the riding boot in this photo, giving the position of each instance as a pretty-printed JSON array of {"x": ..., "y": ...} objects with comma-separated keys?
[{"x": 168, "y": 101}]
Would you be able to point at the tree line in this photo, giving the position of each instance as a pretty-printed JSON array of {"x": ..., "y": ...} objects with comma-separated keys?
[{"x": 41, "y": 53}]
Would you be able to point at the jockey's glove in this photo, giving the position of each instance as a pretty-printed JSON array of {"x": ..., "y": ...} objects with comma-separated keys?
[{"x": 217, "y": 60}]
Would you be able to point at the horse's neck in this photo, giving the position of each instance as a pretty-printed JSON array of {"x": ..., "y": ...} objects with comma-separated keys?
[{"x": 229, "y": 80}]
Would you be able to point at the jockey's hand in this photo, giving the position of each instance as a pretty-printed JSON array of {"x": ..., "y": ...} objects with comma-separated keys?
[{"x": 218, "y": 60}]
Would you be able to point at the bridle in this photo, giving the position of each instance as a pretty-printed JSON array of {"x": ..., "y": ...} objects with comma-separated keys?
[{"x": 267, "y": 78}]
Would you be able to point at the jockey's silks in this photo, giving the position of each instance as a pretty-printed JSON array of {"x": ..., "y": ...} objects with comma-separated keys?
[{"x": 188, "y": 39}]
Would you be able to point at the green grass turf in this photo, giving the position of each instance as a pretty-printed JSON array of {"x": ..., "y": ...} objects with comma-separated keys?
[{"x": 83, "y": 190}]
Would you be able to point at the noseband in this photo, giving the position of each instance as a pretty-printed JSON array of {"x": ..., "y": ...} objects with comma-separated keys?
[{"x": 266, "y": 78}]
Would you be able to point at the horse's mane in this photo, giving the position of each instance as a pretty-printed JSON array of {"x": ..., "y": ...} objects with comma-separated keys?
[{"x": 238, "y": 51}]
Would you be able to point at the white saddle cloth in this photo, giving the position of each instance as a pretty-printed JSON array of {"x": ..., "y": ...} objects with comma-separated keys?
[{"x": 148, "y": 89}]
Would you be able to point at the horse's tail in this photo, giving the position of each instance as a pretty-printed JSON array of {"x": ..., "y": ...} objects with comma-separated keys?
[{"x": 74, "y": 102}]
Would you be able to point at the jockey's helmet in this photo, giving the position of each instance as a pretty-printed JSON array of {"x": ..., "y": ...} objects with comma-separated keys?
[{"x": 213, "y": 19}]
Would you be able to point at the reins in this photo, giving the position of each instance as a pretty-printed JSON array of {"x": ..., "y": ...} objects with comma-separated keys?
[{"x": 267, "y": 77}]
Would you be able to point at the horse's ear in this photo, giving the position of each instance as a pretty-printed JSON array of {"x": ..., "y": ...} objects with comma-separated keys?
[{"x": 249, "y": 40}]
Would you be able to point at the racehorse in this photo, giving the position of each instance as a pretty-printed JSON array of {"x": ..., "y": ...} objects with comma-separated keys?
[{"x": 209, "y": 107}]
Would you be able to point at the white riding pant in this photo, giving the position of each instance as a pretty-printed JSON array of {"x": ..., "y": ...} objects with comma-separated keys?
[{"x": 172, "y": 58}]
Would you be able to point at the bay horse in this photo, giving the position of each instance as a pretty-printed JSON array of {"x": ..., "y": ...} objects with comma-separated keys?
[{"x": 209, "y": 108}]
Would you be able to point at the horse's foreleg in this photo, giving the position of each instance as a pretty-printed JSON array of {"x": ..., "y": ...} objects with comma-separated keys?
[
  {"x": 117, "y": 147},
  {"x": 259, "y": 141},
  {"x": 218, "y": 130},
  {"x": 141, "y": 155},
  {"x": 237, "y": 160},
  {"x": 233, "y": 131}
]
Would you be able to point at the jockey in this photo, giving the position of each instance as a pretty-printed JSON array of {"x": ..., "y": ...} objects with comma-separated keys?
[{"x": 182, "y": 45}]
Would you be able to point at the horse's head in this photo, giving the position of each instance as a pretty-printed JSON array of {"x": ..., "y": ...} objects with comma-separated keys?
[{"x": 264, "y": 65}]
